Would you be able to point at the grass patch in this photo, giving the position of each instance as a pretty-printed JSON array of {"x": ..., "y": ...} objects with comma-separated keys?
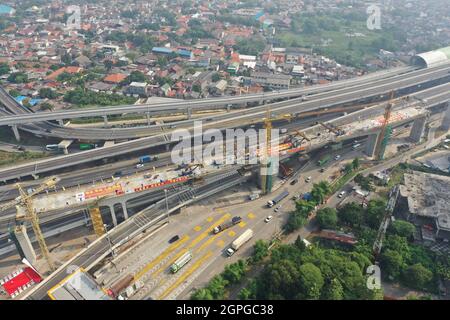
[{"x": 15, "y": 157}]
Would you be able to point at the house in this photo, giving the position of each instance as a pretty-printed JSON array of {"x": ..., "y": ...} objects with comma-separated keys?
[
  {"x": 83, "y": 61},
  {"x": 139, "y": 88},
  {"x": 115, "y": 78},
  {"x": 71, "y": 70},
  {"x": 267, "y": 79},
  {"x": 101, "y": 87}
]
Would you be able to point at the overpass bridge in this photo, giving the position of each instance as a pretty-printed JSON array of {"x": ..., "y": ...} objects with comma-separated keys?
[{"x": 374, "y": 85}]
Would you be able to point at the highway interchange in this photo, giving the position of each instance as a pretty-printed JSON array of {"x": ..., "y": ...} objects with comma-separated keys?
[{"x": 371, "y": 88}]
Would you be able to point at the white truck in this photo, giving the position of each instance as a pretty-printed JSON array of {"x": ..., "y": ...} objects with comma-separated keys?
[{"x": 239, "y": 242}]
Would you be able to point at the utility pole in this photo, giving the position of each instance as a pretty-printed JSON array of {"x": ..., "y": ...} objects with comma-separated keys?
[
  {"x": 167, "y": 205},
  {"x": 109, "y": 240}
]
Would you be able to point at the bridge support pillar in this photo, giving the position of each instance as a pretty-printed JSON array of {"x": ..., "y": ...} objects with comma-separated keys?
[
  {"x": 417, "y": 129},
  {"x": 228, "y": 107},
  {"x": 105, "y": 121},
  {"x": 65, "y": 150},
  {"x": 189, "y": 113},
  {"x": 16, "y": 132},
  {"x": 124, "y": 208},
  {"x": 61, "y": 122},
  {"x": 23, "y": 244},
  {"x": 113, "y": 214},
  {"x": 148, "y": 118},
  {"x": 371, "y": 144},
  {"x": 446, "y": 120}
]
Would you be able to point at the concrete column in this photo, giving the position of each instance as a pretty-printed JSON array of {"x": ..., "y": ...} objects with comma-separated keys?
[
  {"x": 16, "y": 132},
  {"x": 25, "y": 244},
  {"x": 105, "y": 121},
  {"x": 65, "y": 150},
  {"x": 148, "y": 118},
  {"x": 417, "y": 129},
  {"x": 124, "y": 208},
  {"x": 446, "y": 120},
  {"x": 113, "y": 214},
  {"x": 228, "y": 108},
  {"x": 371, "y": 144},
  {"x": 189, "y": 113},
  {"x": 61, "y": 122}
]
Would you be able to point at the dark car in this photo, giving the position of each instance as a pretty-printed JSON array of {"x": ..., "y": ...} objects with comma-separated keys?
[
  {"x": 118, "y": 173},
  {"x": 236, "y": 219},
  {"x": 294, "y": 182},
  {"x": 174, "y": 238},
  {"x": 21, "y": 148},
  {"x": 48, "y": 130}
]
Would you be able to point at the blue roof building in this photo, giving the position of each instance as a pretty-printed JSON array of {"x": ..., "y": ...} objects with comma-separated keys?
[
  {"x": 162, "y": 50},
  {"x": 185, "y": 53},
  {"x": 6, "y": 10}
]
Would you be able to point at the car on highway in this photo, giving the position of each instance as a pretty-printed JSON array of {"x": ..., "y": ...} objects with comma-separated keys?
[
  {"x": 337, "y": 157},
  {"x": 277, "y": 209},
  {"x": 118, "y": 174},
  {"x": 139, "y": 165},
  {"x": 294, "y": 181},
  {"x": 174, "y": 238},
  {"x": 341, "y": 194},
  {"x": 266, "y": 220},
  {"x": 307, "y": 180},
  {"x": 322, "y": 170}
]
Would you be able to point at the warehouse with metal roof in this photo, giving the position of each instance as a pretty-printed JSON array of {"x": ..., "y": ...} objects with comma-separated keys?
[{"x": 432, "y": 58}]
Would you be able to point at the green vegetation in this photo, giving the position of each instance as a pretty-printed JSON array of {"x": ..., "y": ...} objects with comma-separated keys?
[
  {"x": 18, "y": 77},
  {"x": 251, "y": 46},
  {"x": 4, "y": 68},
  {"x": 83, "y": 97},
  {"x": 48, "y": 93},
  {"x": 327, "y": 218},
  {"x": 135, "y": 76},
  {"x": 344, "y": 37},
  {"x": 8, "y": 158}
]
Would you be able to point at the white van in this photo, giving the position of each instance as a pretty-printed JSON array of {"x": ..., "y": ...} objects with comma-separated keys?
[{"x": 356, "y": 146}]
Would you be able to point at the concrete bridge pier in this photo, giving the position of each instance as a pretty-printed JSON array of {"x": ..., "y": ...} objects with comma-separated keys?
[
  {"x": 228, "y": 107},
  {"x": 105, "y": 121},
  {"x": 446, "y": 119},
  {"x": 417, "y": 129},
  {"x": 124, "y": 208},
  {"x": 148, "y": 118},
  {"x": 16, "y": 132},
  {"x": 113, "y": 214},
  {"x": 371, "y": 144},
  {"x": 24, "y": 245},
  {"x": 189, "y": 113},
  {"x": 61, "y": 122}
]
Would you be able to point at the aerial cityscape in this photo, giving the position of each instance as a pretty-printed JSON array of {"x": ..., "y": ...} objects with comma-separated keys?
[{"x": 224, "y": 150}]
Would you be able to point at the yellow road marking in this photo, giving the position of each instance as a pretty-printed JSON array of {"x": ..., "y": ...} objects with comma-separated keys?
[
  {"x": 171, "y": 261},
  {"x": 209, "y": 219},
  {"x": 161, "y": 257},
  {"x": 183, "y": 277},
  {"x": 251, "y": 215},
  {"x": 220, "y": 243},
  {"x": 231, "y": 233},
  {"x": 205, "y": 233},
  {"x": 197, "y": 228},
  {"x": 242, "y": 224}
]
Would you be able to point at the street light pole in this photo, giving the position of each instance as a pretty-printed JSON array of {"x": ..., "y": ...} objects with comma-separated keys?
[
  {"x": 167, "y": 205},
  {"x": 109, "y": 240}
]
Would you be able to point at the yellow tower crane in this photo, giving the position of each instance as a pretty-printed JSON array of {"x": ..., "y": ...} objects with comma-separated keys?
[
  {"x": 267, "y": 151},
  {"x": 26, "y": 211}
]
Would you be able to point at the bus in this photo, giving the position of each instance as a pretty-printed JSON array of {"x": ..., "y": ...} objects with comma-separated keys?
[
  {"x": 51, "y": 147},
  {"x": 324, "y": 160},
  {"x": 181, "y": 262},
  {"x": 356, "y": 146},
  {"x": 87, "y": 146}
]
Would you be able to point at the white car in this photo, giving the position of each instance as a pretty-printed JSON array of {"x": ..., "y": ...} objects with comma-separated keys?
[
  {"x": 277, "y": 209},
  {"x": 308, "y": 179},
  {"x": 341, "y": 194},
  {"x": 139, "y": 165},
  {"x": 268, "y": 219},
  {"x": 337, "y": 157}
]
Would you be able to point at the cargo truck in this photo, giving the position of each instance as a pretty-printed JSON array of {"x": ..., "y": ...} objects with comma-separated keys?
[
  {"x": 118, "y": 287},
  {"x": 227, "y": 225},
  {"x": 147, "y": 158},
  {"x": 239, "y": 242},
  {"x": 181, "y": 262},
  {"x": 277, "y": 199},
  {"x": 87, "y": 146}
]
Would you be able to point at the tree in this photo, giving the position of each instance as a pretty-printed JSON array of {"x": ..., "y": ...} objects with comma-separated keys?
[
  {"x": 261, "y": 250},
  {"x": 391, "y": 263},
  {"x": 135, "y": 76},
  {"x": 333, "y": 290},
  {"x": 348, "y": 168},
  {"x": 356, "y": 163},
  {"x": 375, "y": 212},
  {"x": 351, "y": 214},
  {"x": 234, "y": 272},
  {"x": 417, "y": 276},
  {"x": 217, "y": 287},
  {"x": 320, "y": 191},
  {"x": 47, "y": 93},
  {"x": 18, "y": 77},
  {"x": 108, "y": 64},
  {"x": 327, "y": 218},
  {"x": 46, "y": 106},
  {"x": 402, "y": 228},
  {"x": 196, "y": 88},
  {"x": 248, "y": 292},
  {"x": 310, "y": 281},
  {"x": 279, "y": 279},
  {"x": 215, "y": 77},
  {"x": 14, "y": 93},
  {"x": 202, "y": 294},
  {"x": 4, "y": 68}
]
